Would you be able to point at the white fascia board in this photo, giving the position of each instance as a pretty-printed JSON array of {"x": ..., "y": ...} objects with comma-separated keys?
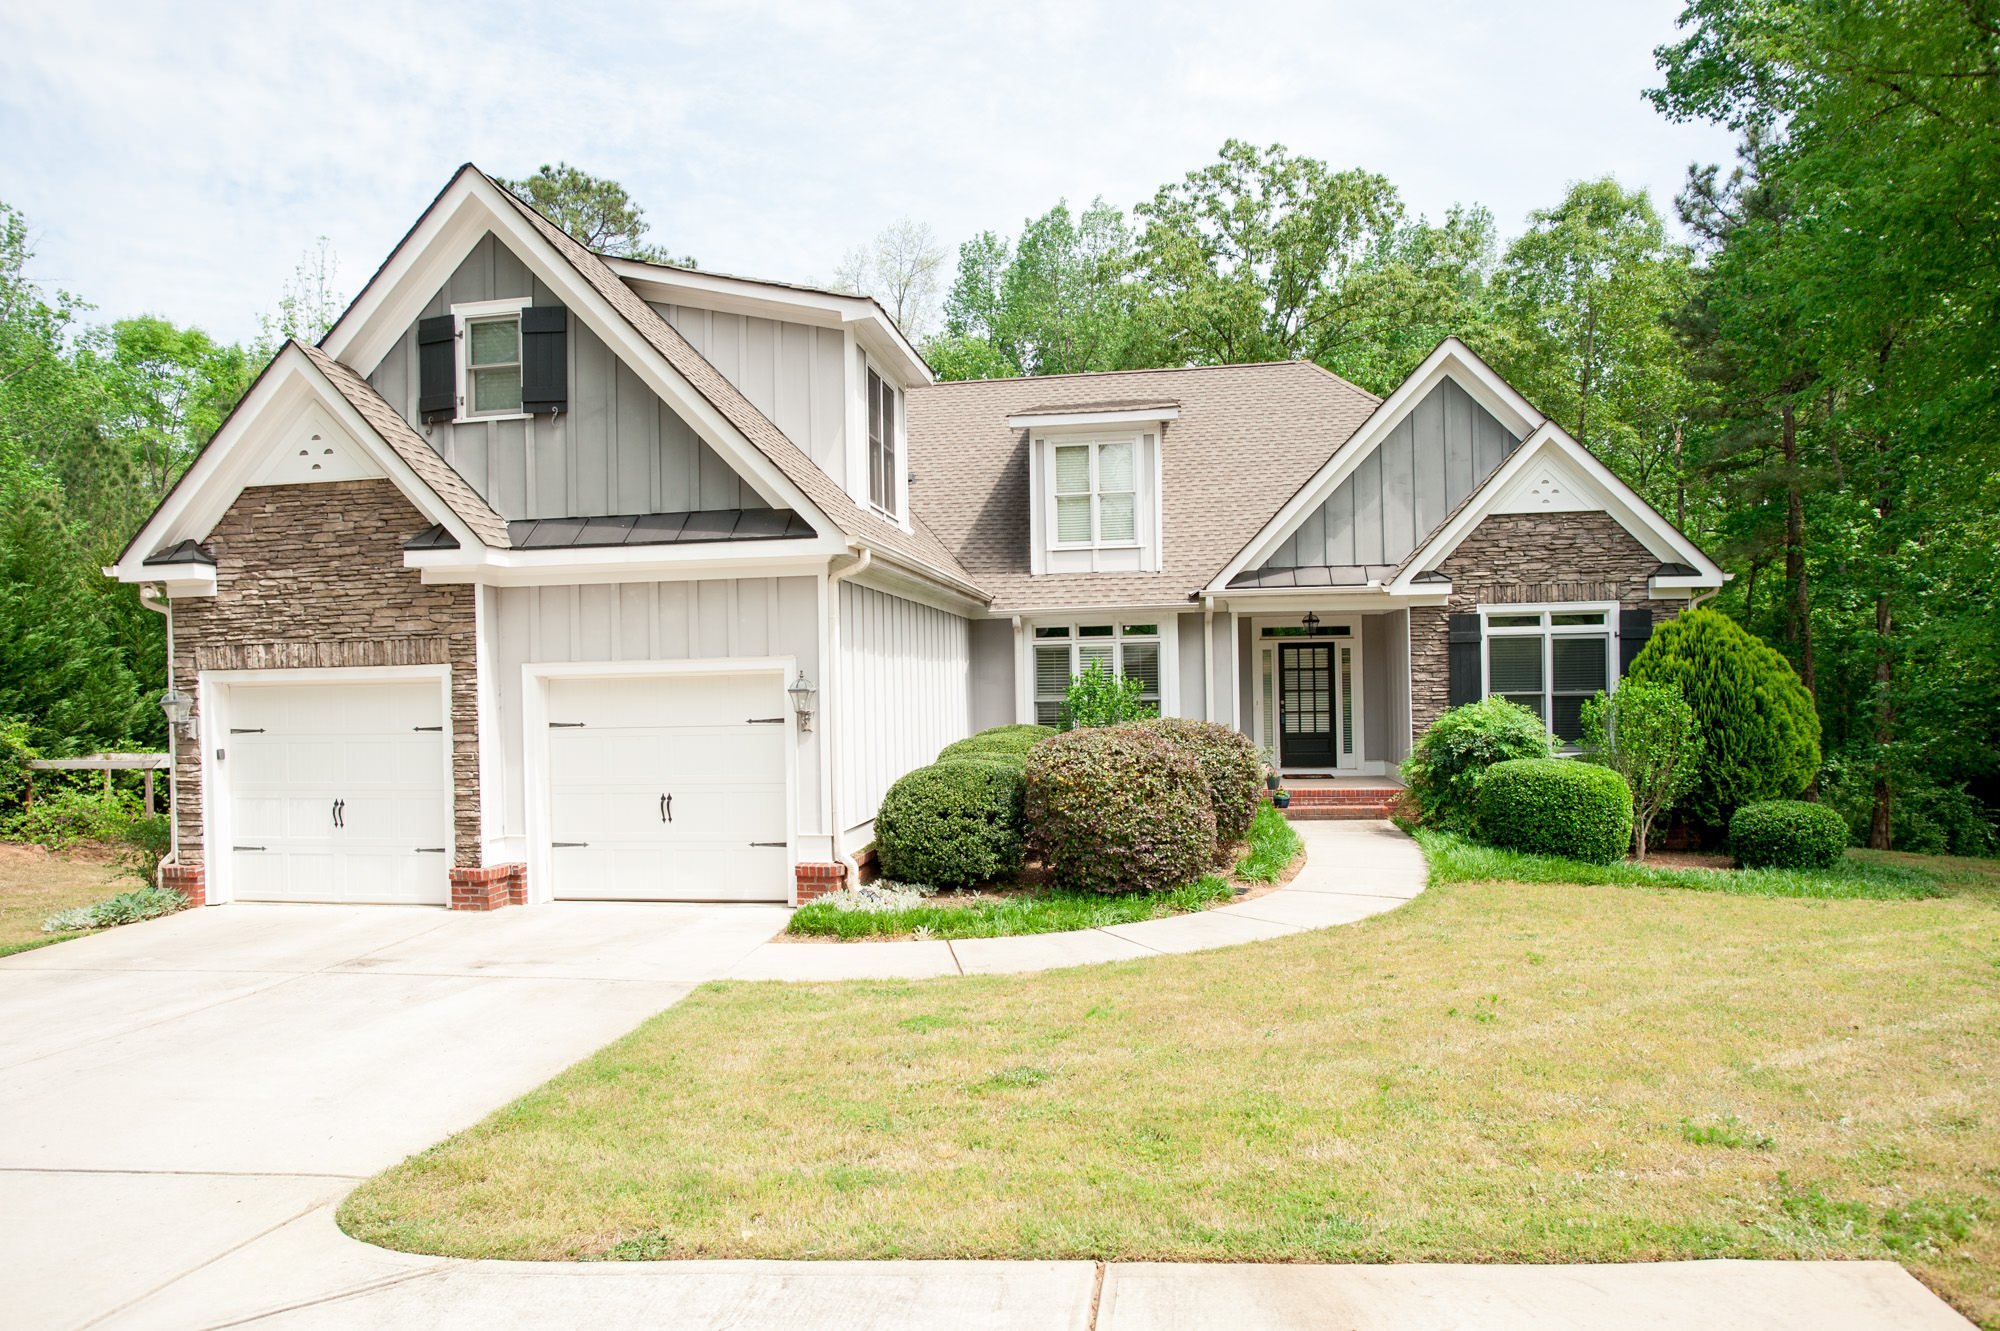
[
  {"x": 776, "y": 300},
  {"x": 1452, "y": 359},
  {"x": 1618, "y": 499},
  {"x": 1121, "y": 609},
  {"x": 1377, "y": 597},
  {"x": 226, "y": 466},
  {"x": 183, "y": 580},
  {"x": 1057, "y": 420},
  {"x": 543, "y": 568},
  {"x": 467, "y": 210},
  {"x": 910, "y": 586}
]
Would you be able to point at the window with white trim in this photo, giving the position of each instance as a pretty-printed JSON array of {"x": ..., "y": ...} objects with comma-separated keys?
[
  {"x": 489, "y": 358},
  {"x": 885, "y": 403},
  {"x": 1064, "y": 651},
  {"x": 1550, "y": 660},
  {"x": 1094, "y": 493}
]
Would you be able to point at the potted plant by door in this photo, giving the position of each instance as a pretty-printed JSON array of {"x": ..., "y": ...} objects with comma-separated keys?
[
  {"x": 1281, "y": 797},
  {"x": 1271, "y": 781}
]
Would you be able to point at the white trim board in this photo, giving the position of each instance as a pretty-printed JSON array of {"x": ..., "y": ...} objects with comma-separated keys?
[{"x": 1451, "y": 360}]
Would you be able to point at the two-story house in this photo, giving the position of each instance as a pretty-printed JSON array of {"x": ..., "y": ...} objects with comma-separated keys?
[{"x": 549, "y": 575}]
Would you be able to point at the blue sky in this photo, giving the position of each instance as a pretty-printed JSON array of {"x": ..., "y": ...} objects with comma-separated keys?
[{"x": 178, "y": 159}]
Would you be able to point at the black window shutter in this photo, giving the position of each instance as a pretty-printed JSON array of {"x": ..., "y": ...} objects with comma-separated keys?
[
  {"x": 437, "y": 369},
  {"x": 1635, "y": 630},
  {"x": 1463, "y": 659},
  {"x": 544, "y": 358}
]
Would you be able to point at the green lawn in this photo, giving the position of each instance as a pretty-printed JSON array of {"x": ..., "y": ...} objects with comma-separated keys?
[
  {"x": 1498, "y": 1071},
  {"x": 35, "y": 885},
  {"x": 1270, "y": 850}
]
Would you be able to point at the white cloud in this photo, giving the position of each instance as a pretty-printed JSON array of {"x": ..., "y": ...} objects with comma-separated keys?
[{"x": 178, "y": 159}]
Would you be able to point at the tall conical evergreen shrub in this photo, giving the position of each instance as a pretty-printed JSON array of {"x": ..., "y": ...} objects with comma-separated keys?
[{"x": 1760, "y": 732}]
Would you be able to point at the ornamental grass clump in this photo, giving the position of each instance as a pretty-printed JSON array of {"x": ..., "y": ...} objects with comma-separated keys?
[
  {"x": 1231, "y": 766},
  {"x": 1118, "y": 809}
]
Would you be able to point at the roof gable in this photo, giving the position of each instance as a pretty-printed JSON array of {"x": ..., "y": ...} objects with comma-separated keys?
[{"x": 302, "y": 392}]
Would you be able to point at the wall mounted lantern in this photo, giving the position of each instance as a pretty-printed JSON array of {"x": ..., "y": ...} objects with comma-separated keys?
[
  {"x": 179, "y": 708},
  {"x": 802, "y": 693}
]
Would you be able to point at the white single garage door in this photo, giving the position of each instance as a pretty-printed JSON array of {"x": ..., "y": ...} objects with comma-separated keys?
[
  {"x": 668, "y": 788},
  {"x": 338, "y": 792}
]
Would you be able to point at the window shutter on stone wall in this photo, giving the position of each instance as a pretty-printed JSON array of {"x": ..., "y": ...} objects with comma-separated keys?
[
  {"x": 437, "y": 369},
  {"x": 544, "y": 358},
  {"x": 1462, "y": 659},
  {"x": 1635, "y": 630}
]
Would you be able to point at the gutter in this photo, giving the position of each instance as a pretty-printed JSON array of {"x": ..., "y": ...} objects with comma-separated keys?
[{"x": 829, "y": 672}]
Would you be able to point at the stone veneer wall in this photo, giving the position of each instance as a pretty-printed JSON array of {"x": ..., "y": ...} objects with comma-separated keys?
[
  {"x": 1524, "y": 559},
  {"x": 312, "y": 576}
]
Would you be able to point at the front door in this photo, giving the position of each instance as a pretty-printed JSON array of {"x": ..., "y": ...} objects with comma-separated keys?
[{"x": 1306, "y": 704}]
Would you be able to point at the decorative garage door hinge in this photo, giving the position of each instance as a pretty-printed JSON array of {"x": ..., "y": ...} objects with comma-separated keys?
[
  {"x": 240, "y": 730},
  {"x": 765, "y": 721},
  {"x": 437, "y": 728},
  {"x": 246, "y": 848},
  {"x": 767, "y": 843},
  {"x": 565, "y": 725},
  {"x": 560, "y": 845},
  {"x": 430, "y": 850}
]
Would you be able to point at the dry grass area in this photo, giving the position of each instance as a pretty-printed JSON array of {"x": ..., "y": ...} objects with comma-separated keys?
[
  {"x": 1496, "y": 1072},
  {"x": 35, "y": 884}
]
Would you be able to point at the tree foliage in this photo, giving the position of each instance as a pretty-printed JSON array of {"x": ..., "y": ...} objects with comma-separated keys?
[{"x": 595, "y": 211}]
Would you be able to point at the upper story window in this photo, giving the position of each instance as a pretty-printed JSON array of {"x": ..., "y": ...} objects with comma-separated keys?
[
  {"x": 885, "y": 402},
  {"x": 1550, "y": 660},
  {"x": 1094, "y": 494},
  {"x": 489, "y": 359}
]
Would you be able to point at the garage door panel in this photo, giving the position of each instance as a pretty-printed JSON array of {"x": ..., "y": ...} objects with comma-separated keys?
[
  {"x": 356, "y": 744},
  {"x": 616, "y": 747}
]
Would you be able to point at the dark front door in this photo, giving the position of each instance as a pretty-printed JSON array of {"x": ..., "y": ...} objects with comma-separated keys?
[{"x": 1305, "y": 704}]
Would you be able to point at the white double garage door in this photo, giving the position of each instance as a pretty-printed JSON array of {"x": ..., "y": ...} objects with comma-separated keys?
[{"x": 650, "y": 788}]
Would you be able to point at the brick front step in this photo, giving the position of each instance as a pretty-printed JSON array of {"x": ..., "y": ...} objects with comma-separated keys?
[{"x": 1307, "y": 813}]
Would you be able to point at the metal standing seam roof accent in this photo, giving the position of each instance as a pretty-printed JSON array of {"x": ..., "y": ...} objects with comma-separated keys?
[
  {"x": 689, "y": 528},
  {"x": 457, "y": 494},
  {"x": 918, "y": 547},
  {"x": 181, "y": 552},
  {"x": 1314, "y": 575}
]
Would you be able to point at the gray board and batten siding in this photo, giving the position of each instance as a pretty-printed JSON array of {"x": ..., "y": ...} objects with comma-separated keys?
[
  {"x": 1400, "y": 492},
  {"x": 617, "y": 449}
]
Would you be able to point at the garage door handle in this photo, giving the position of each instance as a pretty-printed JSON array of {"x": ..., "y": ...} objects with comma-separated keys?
[
  {"x": 563, "y": 845},
  {"x": 765, "y": 721},
  {"x": 767, "y": 843},
  {"x": 339, "y": 812}
]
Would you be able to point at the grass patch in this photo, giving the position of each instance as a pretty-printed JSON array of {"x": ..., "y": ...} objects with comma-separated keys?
[
  {"x": 1496, "y": 1072},
  {"x": 1454, "y": 859},
  {"x": 1000, "y": 914},
  {"x": 1273, "y": 843},
  {"x": 35, "y": 884}
]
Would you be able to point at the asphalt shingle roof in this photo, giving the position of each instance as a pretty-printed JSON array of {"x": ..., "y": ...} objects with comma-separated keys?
[{"x": 1247, "y": 438}]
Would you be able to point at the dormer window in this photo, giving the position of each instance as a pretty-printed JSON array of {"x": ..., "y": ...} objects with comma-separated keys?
[{"x": 1096, "y": 497}]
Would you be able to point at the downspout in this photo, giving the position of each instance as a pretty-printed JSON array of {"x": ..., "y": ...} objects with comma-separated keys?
[
  {"x": 1694, "y": 602},
  {"x": 829, "y": 674},
  {"x": 165, "y": 610},
  {"x": 1208, "y": 658}
]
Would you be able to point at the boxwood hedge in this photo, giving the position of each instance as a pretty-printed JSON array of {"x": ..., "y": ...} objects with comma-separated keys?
[
  {"x": 1554, "y": 806},
  {"x": 1787, "y": 834},
  {"x": 1009, "y": 742},
  {"x": 1118, "y": 809},
  {"x": 1230, "y": 764},
  {"x": 952, "y": 824}
]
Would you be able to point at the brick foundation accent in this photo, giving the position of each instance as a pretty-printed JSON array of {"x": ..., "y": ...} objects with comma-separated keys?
[
  {"x": 1341, "y": 802},
  {"x": 489, "y": 888},
  {"x": 190, "y": 880},
  {"x": 814, "y": 879}
]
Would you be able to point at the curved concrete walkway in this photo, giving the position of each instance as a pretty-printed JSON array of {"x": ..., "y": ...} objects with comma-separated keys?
[
  {"x": 1352, "y": 870},
  {"x": 184, "y": 1103}
]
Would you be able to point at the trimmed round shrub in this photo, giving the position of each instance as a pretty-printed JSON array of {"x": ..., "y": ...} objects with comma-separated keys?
[
  {"x": 1012, "y": 743},
  {"x": 1787, "y": 834},
  {"x": 952, "y": 824},
  {"x": 1231, "y": 766},
  {"x": 1443, "y": 771},
  {"x": 1118, "y": 809},
  {"x": 1759, "y": 730},
  {"x": 1556, "y": 806}
]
